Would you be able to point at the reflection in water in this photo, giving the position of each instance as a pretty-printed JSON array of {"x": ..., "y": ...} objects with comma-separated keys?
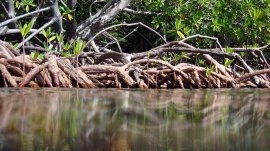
[{"x": 132, "y": 119}]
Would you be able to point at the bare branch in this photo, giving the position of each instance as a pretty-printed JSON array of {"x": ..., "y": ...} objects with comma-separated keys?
[
  {"x": 156, "y": 52},
  {"x": 136, "y": 12},
  {"x": 202, "y": 36},
  {"x": 94, "y": 46},
  {"x": 22, "y": 16},
  {"x": 14, "y": 31},
  {"x": 115, "y": 40},
  {"x": 125, "y": 24}
]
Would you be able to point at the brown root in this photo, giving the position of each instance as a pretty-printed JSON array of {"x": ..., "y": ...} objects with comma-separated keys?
[{"x": 139, "y": 70}]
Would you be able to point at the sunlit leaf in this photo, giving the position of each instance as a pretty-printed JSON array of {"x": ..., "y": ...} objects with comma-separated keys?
[
  {"x": 78, "y": 46},
  {"x": 52, "y": 38},
  {"x": 28, "y": 28},
  {"x": 209, "y": 70},
  {"x": 60, "y": 38},
  {"x": 34, "y": 55},
  {"x": 180, "y": 34},
  {"x": 27, "y": 8},
  {"x": 187, "y": 57},
  {"x": 69, "y": 17},
  {"x": 177, "y": 24},
  {"x": 17, "y": 4},
  {"x": 24, "y": 30},
  {"x": 33, "y": 5},
  {"x": 228, "y": 62},
  {"x": 257, "y": 14},
  {"x": 44, "y": 33}
]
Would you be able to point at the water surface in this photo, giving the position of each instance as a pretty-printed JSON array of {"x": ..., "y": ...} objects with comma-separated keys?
[{"x": 134, "y": 119}]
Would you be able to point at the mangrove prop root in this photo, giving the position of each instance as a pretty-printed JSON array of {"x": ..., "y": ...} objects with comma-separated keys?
[{"x": 139, "y": 70}]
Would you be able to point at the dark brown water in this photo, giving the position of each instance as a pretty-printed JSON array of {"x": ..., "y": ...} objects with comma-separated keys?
[{"x": 132, "y": 119}]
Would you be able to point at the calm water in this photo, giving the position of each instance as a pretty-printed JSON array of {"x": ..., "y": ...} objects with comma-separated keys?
[{"x": 139, "y": 120}]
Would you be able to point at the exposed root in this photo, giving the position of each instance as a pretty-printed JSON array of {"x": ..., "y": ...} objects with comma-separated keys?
[{"x": 140, "y": 70}]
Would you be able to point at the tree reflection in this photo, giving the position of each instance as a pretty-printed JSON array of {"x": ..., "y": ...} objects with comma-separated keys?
[{"x": 113, "y": 119}]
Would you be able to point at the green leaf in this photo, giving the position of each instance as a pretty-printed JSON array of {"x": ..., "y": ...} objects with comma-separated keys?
[
  {"x": 14, "y": 45},
  {"x": 24, "y": 30},
  {"x": 187, "y": 30},
  {"x": 165, "y": 58},
  {"x": 177, "y": 57},
  {"x": 229, "y": 50},
  {"x": 177, "y": 24},
  {"x": 209, "y": 70},
  {"x": 257, "y": 14},
  {"x": 34, "y": 55},
  {"x": 171, "y": 31},
  {"x": 28, "y": 28},
  {"x": 52, "y": 38},
  {"x": 33, "y": 5},
  {"x": 66, "y": 46},
  {"x": 66, "y": 54},
  {"x": 242, "y": 54},
  {"x": 260, "y": 29},
  {"x": 78, "y": 46},
  {"x": 201, "y": 62},
  {"x": 27, "y": 8},
  {"x": 45, "y": 45},
  {"x": 17, "y": 4},
  {"x": 180, "y": 34},
  {"x": 228, "y": 62},
  {"x": 41, "y": 57},
  {"x": 69, "y": 17},
  {"x": 44, "y": 33},
  {"x": 21, "y": 28},
  {"x": 60, "y": 38},
  {"x": 187, "y": 57}
]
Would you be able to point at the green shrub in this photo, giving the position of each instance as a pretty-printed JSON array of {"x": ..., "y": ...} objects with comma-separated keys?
[{"x": 234, "y": 22}]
